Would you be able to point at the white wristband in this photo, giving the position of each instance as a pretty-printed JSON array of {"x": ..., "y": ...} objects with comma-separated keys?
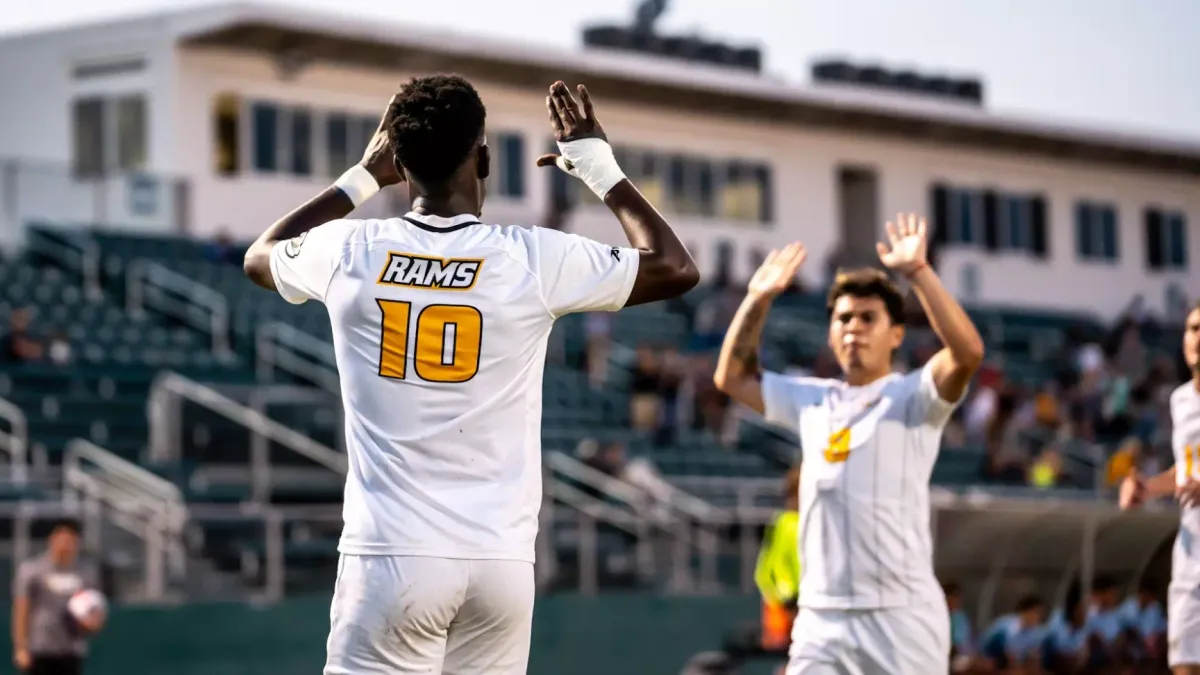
[
  {"x": 591, "y": 160},
  {"x": 358, "y": 184}
]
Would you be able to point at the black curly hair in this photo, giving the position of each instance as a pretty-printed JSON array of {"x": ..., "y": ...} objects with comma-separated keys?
[{"x": 435, "y": 122}]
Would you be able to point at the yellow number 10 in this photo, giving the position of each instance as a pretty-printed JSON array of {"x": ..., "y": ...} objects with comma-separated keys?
[{"x": 446, "y": 345}]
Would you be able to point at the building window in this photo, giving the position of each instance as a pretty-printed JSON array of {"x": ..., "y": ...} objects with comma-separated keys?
[
  {"x": 992, "y": 220},
  {"x": 88, "y": 125},
  {"x": 965, "y": 217},
  {"x": 227, "y": 118},
  {"x": 736, "y": 191},
  {"x": 744, "y": 193},
  {"x": 1096, "y": 231},
  {"x": 265, "y": 121},
  {"x": 337, "y": 134},
  {"x": 509, "y": 161},
  {"x": 1014, "y": 223},
  {"x": 131, "y": 133},
  {"x": 346, "y": 139},
  {"x": 1166, "y": 240},
  {"x": 109, "y": 134},
  {"x": 301, "y": 142}
]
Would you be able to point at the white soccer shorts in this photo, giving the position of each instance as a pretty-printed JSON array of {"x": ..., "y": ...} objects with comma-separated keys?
[
  {"x": 1183, "y": 626},
  {"x": 410, "y": 614},
  {"x": 894, "y": 641}
]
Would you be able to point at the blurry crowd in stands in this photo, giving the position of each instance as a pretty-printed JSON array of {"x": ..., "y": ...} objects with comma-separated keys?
[
  {"x": 1093, "y": 634},
  {"x": 23, "y": 343},
  {"x": 1102, "y": 411}
]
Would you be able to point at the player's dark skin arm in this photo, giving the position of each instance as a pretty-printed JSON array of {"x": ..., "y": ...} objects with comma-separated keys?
[
  {"x": 331, "y": 204},
  {"x": 665, "y": 268}
]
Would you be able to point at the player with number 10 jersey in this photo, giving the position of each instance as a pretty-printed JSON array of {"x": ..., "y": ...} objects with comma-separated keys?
[{"x": 440, "y": 325}]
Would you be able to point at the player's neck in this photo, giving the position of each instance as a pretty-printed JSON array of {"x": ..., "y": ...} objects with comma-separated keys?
[
  {"x": 861, "y": 378},
  {"x": 455, "y": 204},
  {"x": 1196, "y": 379}
]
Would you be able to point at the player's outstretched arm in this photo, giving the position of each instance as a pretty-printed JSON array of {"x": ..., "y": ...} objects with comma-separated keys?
[
  {"x": 1136, "y": 490},
  {"x": 738, "y": 373},
  {"x": 376, "y": 170},
  {"x": 665, "y": 268},
  {"x": 952, "y": 367}
]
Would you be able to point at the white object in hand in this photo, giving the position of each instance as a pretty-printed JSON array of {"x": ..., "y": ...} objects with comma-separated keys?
[{"x": 86, "y": 602}]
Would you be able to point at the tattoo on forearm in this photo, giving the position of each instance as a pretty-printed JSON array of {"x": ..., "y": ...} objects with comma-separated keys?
[{"x": 746, "y": 341}]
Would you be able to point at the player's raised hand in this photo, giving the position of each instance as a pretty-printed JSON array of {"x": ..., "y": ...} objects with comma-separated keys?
[
  {"x": 569, "y": 120},
  {"x": 907, "y": 244},
  {"x": 778, "y": 271},
  {"x": 1133, "y": 491},
  {"x": 379, "y": 158}
]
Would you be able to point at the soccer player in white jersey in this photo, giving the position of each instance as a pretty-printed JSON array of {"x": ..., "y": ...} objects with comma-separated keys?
[
  {"x": 869, "y": 601},
  {"x": 1183, "y": 480},
  {"x": 440, "y": 325}
]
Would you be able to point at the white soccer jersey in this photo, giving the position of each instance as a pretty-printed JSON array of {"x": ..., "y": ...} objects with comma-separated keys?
[
  {"x": 1185, "y": 441},
  {"x": 865, "y": 539},
  {"x": 440, "y": 328}
]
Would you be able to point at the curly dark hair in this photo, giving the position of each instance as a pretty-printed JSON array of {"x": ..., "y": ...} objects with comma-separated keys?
[{"x": 435, "y": 121}]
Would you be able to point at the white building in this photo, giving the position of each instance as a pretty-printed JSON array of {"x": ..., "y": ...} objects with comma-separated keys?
[{"x": 224, "y": 118}]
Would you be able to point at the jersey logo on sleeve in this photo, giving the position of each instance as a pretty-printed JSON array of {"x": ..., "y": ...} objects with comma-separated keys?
[
  {"x": 615, "y": 253},
  {"x": 292, "y": 249},
  {"x": 418, "y": 271}
]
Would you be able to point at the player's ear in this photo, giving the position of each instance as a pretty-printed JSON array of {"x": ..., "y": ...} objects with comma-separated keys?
[
  {"x": 897, "y": 334},
  {"x": 484, "y": 168}
]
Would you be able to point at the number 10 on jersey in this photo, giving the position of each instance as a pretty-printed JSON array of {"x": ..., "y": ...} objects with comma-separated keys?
[{"x": 445, "y": 347}]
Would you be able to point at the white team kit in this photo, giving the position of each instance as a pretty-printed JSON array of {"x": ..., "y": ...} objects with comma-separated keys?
[
  {"x": 1183, "y": 597},
  {"x": 440, "y": 329},
  {"x": 869, "y": 601}
]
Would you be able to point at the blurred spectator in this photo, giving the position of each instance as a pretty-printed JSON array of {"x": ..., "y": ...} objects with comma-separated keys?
[
  {"x": 1067, "y": 647},
  {"x": 1143, "y": 615},
  {"x": 962, "y": 638},
  {"x": 1015, "y": 640},
  {"x": 224, "y": 250},
  {"x": 20, "y": 345},
  {"x": 645, "y": 403},
  {"x": 1123, "y": 461},
  {"x": 1046, "y": 471}
]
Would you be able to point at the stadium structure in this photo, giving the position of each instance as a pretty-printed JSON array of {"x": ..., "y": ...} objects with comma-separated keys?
[{"x": 196, "y": 426}]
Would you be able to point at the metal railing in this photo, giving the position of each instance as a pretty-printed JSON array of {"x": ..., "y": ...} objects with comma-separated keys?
[
  {"x": 149, "y": 284},
  {"x": 282, "y": 347},
  {"x": 15, "y": 442},
  {"x": 591, "y": 513},
  {"x": 693, "y": 523},
  {"x": 103, "y": 486},
  {"x": 165, "y": 412},
  {"x": 77, "y": 252}
]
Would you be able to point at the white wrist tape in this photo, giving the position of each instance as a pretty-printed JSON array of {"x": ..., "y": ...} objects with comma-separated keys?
[
  {"x": 358, "y": 184},
  {"x": 591, "y": 160}
]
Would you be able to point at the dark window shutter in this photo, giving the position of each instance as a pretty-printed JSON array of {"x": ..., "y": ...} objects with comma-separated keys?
[
  {"x": 1038, "y": 227},
  {"x": 1083, "y": 231},
  {"x": 941, "y": 214},
  {"x": 1154, "y": 239},
  {"x": 991, "y": 221}
]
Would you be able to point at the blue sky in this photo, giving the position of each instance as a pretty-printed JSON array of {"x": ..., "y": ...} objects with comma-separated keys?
[{"x": 1107, "y": 63}]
